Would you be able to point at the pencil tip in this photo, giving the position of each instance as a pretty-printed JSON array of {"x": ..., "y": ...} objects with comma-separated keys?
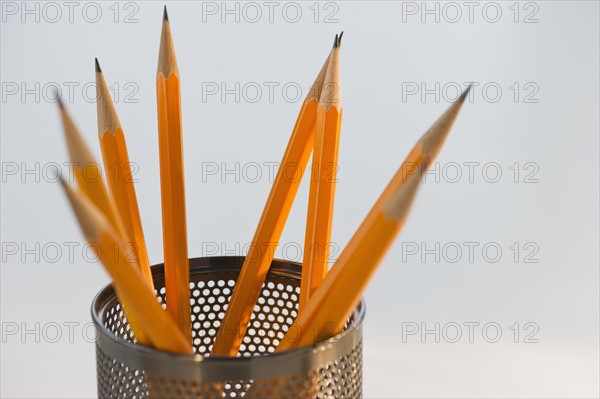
[
  {"x": 165, "y": 15},
  {"x": 58, "y": 176},
  {"x": 339, "y": 40},
  {"x": 98, "y": 69},
  {"x": 58, "y": 99},
  {"x": 335, "y": 41},
  {"x": 465, "y": 93}
]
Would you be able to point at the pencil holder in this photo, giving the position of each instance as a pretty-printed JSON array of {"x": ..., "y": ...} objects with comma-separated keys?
[{"x": 328, "y": 369}]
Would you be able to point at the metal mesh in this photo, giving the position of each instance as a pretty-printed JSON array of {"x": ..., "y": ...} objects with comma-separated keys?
[{"x": 331, "y": 369}]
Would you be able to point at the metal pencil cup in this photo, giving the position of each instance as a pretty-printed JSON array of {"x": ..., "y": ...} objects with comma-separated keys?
[{"x": 329, "y": 369}]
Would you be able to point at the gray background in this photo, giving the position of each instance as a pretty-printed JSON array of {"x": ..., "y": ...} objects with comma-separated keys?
[{"x": 550, "y": 208}]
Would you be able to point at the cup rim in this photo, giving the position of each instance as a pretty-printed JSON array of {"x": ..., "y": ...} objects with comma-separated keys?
[{"x": 200, "y": 265}]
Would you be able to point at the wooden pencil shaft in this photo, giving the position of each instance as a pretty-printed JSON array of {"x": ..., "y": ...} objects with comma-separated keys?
[
  {"x": 173, "y": 201},
  {"x": 316, "y": 325},
  {"x": 322, "y": 186},
  {"x": 138, "y": 300},
  {"x": 328, "y": 309},
  {"x": 173, "y": 206},
  {"x": 87, "y": 171},
  {"x": 321, "y": 200},
  {"x": 270, "y": 226},
  {"x": 137, "y": 296},
  {"x": 268, "y": 233},
  {"x": 425, "y": 150},
  {"x": 339, "y": 293},
  {"x": 120, "y": 177}
]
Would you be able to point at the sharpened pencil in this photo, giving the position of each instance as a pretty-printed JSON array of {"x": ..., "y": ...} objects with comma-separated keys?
[
  {"x": 333, "y": 302},
  {"x": 270, "y": 226},
  {"x": 170, "y": 142},
  {"x": 87, "y": 171},
  {"x": 315, "y": 263},
  {"x": 120, "y": 177},
  {"x": 329, "y": 308},
  {"x": 138, "y": 300},
  {"x": 426, "y": 150}
]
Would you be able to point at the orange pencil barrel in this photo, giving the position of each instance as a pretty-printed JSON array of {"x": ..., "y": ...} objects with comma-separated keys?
[
  {"x": 315, "y": 263},
  {"x": 425, "y": 150},
  {"x": 328, "y": 309},
  {"x": 333, "y": 302},
  {"x": 119, "y": 175},
  {"x": 270, "y": 226},
  {"x": 170, "y": 141},
  {"x": 139, "y": 303},
  {"x": 87, "y": 171}
]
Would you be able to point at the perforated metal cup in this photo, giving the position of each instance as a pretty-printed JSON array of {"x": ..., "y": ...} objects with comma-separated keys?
[{"x": 329, "y": 369}]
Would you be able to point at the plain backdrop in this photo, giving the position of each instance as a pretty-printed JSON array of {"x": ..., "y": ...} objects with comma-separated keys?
[{"x": 491, "y": 289}]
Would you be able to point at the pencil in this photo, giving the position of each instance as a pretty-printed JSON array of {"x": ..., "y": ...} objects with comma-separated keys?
[
  {"x": 338, "y": 295},
  {"x": 426, "y": 149},
  {"x": 135, "y": 295},
  {"x": 333, "y": 302},
  {"x": 120, "y": 177},
  {"x": 271, "y": 224},
  {"x": 168, "y": 101},
  {"x": 86, "y": 170},
  {"x": 323, "y": 180}
]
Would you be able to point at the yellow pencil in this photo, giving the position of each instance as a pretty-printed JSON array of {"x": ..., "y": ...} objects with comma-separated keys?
[
  {"x": 329, "y": 308},
  {"x": 87, "y": 171},
  {"x": 120, "y": 177},
  {"x": 168, "y": 100},
  {"x": 331, "y": 305},
  {"x": 425, "y": 150},
  {"x": 136, "y": 296},
  {"x": 323, "y": 180},
  {"x": 270, "y": 226}
]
